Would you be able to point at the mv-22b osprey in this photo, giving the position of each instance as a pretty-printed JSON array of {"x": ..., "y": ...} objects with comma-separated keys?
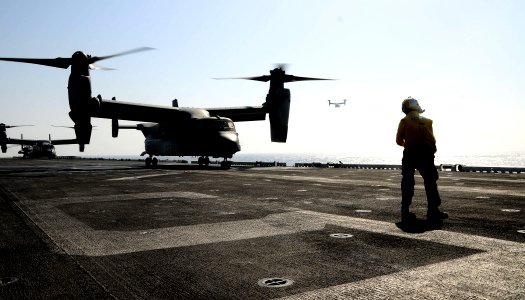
[
  {"x": 31, "y": 148},
  {"x": 172, "y": 131}
]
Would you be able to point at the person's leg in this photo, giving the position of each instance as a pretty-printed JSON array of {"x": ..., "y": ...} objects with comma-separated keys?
[
  {"x": 430, "y": 176},
  {"x": 407, "y": 187}
]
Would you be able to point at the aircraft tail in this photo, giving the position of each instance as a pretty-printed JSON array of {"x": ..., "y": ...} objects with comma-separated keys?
[{"x": 115, "y": 127}]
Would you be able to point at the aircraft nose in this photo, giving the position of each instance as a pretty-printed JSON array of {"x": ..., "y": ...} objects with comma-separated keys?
[{"x": 231, "y": 140}]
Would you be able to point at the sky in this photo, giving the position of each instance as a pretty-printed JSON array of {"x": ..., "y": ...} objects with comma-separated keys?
[{"x": 462, "y": 60}]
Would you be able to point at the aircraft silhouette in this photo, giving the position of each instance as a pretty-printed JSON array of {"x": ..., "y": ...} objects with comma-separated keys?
[
  {"x": 173, "y": 131},
  {"x": 3, "y": 135},
  {"x": 32, "y": 148},
  {"x": 336, "y": 104}
]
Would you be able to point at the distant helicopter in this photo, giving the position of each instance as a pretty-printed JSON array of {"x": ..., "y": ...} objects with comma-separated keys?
[
  {"x": 173, "y": 131},
  {"x": 336, "y": 104},
  {"x": 32, "y": 148}
]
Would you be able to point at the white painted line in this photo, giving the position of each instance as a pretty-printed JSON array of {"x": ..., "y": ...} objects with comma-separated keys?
[{"x": 142, "y": 176}]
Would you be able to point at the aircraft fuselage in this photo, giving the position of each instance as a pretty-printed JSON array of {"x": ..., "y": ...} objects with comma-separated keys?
[
  {"x": 211, "y": 136},
  {"x": 38, "y": 150}
]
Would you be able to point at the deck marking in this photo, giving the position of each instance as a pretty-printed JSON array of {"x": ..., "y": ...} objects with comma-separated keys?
[
  {"x": 142, "y": 176},
  {"x": 501, "y": 257}
]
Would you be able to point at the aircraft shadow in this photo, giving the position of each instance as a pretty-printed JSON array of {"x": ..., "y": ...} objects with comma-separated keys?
[
  {"x": 183, "y": 167},
  {"x": 419, "y": 226},
  {"x": 194, "y": 167}
]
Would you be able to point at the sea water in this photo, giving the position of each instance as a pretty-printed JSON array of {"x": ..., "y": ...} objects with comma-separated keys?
[
  {"x": 515, "y": 160},
  {"x": 504, "y": 160}
]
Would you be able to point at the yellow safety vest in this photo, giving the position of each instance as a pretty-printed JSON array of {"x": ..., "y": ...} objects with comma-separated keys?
[{"x": 415, "y": 133}]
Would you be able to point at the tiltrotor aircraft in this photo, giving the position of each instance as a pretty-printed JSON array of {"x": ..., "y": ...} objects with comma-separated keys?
[
  {"x": 336, "y": 104},
  {"x": 172, "y": 131},
  {"x": 32, "y": 148}
]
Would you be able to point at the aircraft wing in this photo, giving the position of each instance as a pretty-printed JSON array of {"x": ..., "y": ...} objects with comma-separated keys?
[
  {"x": 111, "y": 109},
  {"x": 64, "y": 142},
  {"x": 22, "y": 142},
  {"x": 240, "y": 114}
]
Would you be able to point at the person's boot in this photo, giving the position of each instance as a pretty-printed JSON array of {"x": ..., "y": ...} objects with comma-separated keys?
[
  {"x": 436, "y": 215},
  {"x": 407, "y": 216}
]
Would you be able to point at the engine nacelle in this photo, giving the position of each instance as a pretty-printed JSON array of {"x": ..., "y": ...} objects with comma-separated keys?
[
  {"x": 278, "y": 105},
  {"x": 3, "y": 139},
  {"x": 82, "y": 105}
]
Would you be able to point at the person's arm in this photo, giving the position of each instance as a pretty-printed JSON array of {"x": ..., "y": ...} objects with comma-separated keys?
[{"x": 400, "y": 137}]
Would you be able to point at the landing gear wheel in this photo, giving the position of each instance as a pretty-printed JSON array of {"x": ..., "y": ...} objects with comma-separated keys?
[
  {"x": 204, "y": 161},
  {"x": 148, "y": 162},
  {"x": 154, "y": 162},
  {"x": 226, "y": 165}
]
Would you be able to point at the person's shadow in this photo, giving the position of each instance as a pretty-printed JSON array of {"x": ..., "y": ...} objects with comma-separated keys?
[{"x": 419, "y": 225}]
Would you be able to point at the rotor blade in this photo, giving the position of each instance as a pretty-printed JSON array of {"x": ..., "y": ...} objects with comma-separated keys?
[
  {"x": 97, "y": 58},
  {"x": 258, "y": 78},
  {"x": 58, "y": 62},
  {"x": 70, "y": 127},
  {"x": 11, "y": 126},
  {"x": 292, "y": 78},
  {"x": 99, "y": 67}
]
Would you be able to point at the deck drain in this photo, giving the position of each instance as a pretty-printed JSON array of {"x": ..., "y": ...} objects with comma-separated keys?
[
  {"x": 7, "y": 280},
  {"x": 274, "y": 282},
  {"x": 363, "y": 211},
  {"x": 341, "y": 235},
  {"x": 510, "y": 210}
]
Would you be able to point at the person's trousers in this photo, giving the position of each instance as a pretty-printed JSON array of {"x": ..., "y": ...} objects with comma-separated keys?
[{"x": 424, "y": 163}]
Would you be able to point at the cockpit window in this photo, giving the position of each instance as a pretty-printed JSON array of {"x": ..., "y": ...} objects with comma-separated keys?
[
  {"x": 227, "y": 125},
  {"x": 217, "y": 124}
]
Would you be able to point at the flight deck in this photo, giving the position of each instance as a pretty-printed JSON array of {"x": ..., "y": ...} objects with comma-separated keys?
[{"x": 102, "y": 229}]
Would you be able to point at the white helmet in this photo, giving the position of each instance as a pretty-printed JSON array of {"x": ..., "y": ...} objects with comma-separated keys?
[{"x": 411, "y": 104}]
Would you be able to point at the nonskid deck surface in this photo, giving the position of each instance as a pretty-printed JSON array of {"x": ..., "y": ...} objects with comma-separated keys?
[{"x": 113, "y": 229}]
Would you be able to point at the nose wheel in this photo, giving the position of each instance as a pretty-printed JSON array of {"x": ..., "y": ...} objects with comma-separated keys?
[
  {"x": 204, "y": 161},
  {"x": 225, "y": 164},
  {"x": 151, "y": 161}
]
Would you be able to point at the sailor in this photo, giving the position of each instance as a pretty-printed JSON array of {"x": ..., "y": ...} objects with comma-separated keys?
[{"x": 415, "y": 134}]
